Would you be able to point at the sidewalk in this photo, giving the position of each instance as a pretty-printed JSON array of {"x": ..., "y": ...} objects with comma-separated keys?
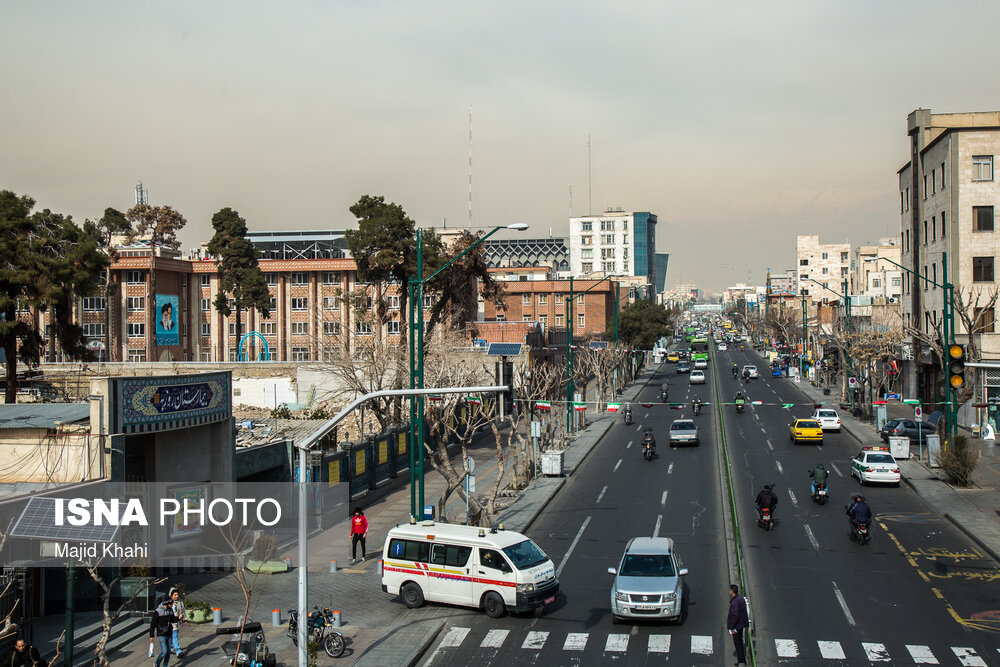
[
  {"x": 973, "y": 511},
  {"x": 378, "y": 630}
]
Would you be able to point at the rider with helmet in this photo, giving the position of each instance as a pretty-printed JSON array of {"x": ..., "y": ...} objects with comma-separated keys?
[
  {"x": 859, "y": 512},
  {"x": 819, "y": 476}
]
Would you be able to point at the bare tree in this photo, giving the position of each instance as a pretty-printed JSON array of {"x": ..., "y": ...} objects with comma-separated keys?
[
  {"x": 975, "y": 306},
  {"x": 237, "y": 539},
  {"x": 109, "y": 616},
  {"x": 873, "y": 348}
]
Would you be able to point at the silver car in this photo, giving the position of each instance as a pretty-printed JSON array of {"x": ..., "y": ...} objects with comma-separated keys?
[
  {"x": 683, "y": 432},
  {"x": 648, "y": 581}
]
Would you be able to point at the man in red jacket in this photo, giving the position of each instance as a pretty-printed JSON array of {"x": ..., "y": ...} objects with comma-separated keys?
[{"x": 359, "y": 531}]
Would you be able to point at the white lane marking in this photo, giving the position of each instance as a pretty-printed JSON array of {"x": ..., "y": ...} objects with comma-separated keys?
[
  {"x": 454, "y": 637},
  {"x": 812, "y": 538},
  {"x": 786, "y": 648},
  {"x": 494, "y": 638},
  {"x": 968, "y": 657},
  {"x": 701, "y": 644},
  {"x": 616, "y": 465},
  {"x": 576, "y": 641},
  {"x": 670, "y": 468},
  {"x": 831, "y": 650},
  {"x": 628, "y": 445},
  {"x": 572, "y": 546},
  {"x": 778, "y": 465},
  {"x": 639, "y": 427},
  {"x": 762, "y": 430},
  {"x": 601, "y": 494},
  {"x": 659, "y": 643},
  {"x": 656, "y": 528},
  {"x": 836, "y": 469},
  {"x": 663, "y": 499},
  {"x": 922, "y": 655},
  {"x": 616, "y": 643},
  {"x": 535, "y": 639},
  {"x": 840, "y": 599},
  {"x": 875, "y": 652},
  {"x": 770, "y": 446},
  {"x": 756, "y": 416},
  {"x": 791, "y": 494}
]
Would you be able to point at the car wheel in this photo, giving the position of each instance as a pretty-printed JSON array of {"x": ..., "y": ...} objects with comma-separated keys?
[
  {"x": 493, "y": 605},
  {"x": 412, "y": 596}
]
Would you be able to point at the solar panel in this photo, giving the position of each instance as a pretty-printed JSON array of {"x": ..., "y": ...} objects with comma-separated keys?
[
  {"x": 503, "y": 349},
  {"x": 38, "y": 520},
  {"x": 598, "y": 345}
]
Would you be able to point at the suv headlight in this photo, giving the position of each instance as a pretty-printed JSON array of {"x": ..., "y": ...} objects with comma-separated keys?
[
  {"x": 669, "y": 597},
  {"x": 525, "y": 588},
  {"x": 621, "y": 597}
]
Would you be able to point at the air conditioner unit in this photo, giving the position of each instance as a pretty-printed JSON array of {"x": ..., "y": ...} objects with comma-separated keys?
[{"x": 893, "y": 299}]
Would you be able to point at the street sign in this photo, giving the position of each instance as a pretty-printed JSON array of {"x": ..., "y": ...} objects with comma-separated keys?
[
  {"x": 536, "y": 429},
  {"x": 918, "y": 413},
  {"x": 851, "y": 382},
  {"x": 471, "y": 464}
]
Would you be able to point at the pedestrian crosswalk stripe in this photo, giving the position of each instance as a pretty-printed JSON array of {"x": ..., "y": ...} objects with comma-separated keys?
[
  {"x": 787, "y": 648},
  {"x": 659, "y": 643},
  {"x": 494, "y": 638},
  {"x": 875, "y": 652},
  {"x": 535, "y": 639},
  {"x": 454, "y": 637},
  {"x": 701, "y": 644},
  {"x": 576, "y": 641},
  {"x": 922, "y": 655},
  {"x": 968, "y": 657},
  {"x": 617, "y": 643},
  {"x": 831, "y": 650}
]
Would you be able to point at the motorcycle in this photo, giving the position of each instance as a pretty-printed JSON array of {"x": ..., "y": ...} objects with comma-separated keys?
[
  {"x": 820, "y": 495},
  {"x": 860, "y": 533},
  {"x": 319, "y": 629},
  {"x": 648, "y": 446},
  {"x": 628, "y": 417},
  {"x": 736, "y": 372},
  {"x": 739, "y": 407},
  {"x": 765, "y": 521},
  {"x": 663, "y": 396},
  {"x": 697, "y": 409},
  {"x": 248, "y": 650}
]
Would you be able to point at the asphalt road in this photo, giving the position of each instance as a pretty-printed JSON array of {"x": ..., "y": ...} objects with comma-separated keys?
[{"x": 919, "y": 593}]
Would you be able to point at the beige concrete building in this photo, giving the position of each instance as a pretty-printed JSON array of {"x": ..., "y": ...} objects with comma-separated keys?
[
  {"x": 827, "y": 264},
  {"x": 874, "y": 275}
]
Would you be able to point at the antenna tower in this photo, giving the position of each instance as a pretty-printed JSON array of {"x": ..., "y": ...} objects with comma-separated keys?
[{"x": 141, "y": 195}]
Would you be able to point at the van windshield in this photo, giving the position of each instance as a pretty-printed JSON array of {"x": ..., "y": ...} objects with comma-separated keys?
[{"x": 525, "y": 555}]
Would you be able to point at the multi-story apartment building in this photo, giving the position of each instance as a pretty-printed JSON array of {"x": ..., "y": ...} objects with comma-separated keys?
[
  {"x": 825, "y": 263},
  {"x": 614, "y": 242},
  {"x": 948, "y": 194},
  {"x": 544, "y": 301},
  {"x": 874, "y": 275}
]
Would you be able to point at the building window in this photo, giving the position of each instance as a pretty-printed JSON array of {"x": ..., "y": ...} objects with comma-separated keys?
[
  {"x": 331, "y": 303},
  {"x": 607, "y": 253},
  {"x": 876, "y": 283},
  {"x": 982, "y": 167},
  {"x": 299, "y": 278},
  {"x": 826, "y": 256},
  {"x": 982, "y": 269},
  {"x": 586, "y": 240},
  {"x": 579, "y": 299},
  {"x": 942, "y": 175},
  {"x": 135, "y": 278},
  {"x": 803, "y": 262},
  {"x": 268, "y": 328},
  {"x": 925, "y": 232},
  {"x": 982, "y": 218},
  {"x": 587, "y": 267},
  {"x": 394, "y": 302},
  {"x": 136, "y": 355},
  {"x": 559, "y": 300},
  {"x": 607, "y": 225},
  {"x": 843, "y": 271},
  {"x": 559, "y": 319},
  {"x": 843, "y": 257},
  {"x": 896, "y": 282},
  {"x": 93, "y": 329},
  {"x": 825, "y": 270},
  {"x": 906, "y": 242},
  {"x": 581, "y": 320},
  {"x": 907, "y": 199},
  {"x": 607, "y": 239},
  {"x": 901, "y": 209},
  {"x": 525, "y": 299},
  {"x": 330, "y": 353},
  {"x": 587, "y": 226},
  {"x": 93, "y": 303},
  {"x": 206, "y": 329},
  {"x": 925, "y": 187},
  {"x": 136, "y": 329},
  {"x": 933, "y": 228},
  {"x": 206, "y": 305},
  {"x": 933, "y": 181},
  {"x": 544, "y": 320},
  {"x": 300, "y": 328},
  {"x": 934, "y": 271},
  {"x": 543, "y": 299},
  {"x": 943, "y": 229},
  {"x": 587, "y": 254},
  {"x": 206, "y": 280},
  {"x": 331, "y": 328},
  {"x": 363, "y": 328},
  {"x": 272, "y": 305},
  {"x": 300, "y": 354},
  {"x": 300, "y": 303},
  {"x": 134, "y": 304},
  {"x": 271, "y": 278},
  {"x": 331, "y": 277},
  {"x": 984, "y": 321},
  {"x": 625, "y": 225},
  {"x": 392, "y": 327},
  {"x": 608, "y": 267}
]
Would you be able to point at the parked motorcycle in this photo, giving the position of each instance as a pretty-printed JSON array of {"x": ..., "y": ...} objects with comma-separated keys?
[
  {"x": 765, "y": 521},
  {"x": 319, "y": 628},
  {"x": 820, "y": 495},
  {"x": 250, "y": 648}
]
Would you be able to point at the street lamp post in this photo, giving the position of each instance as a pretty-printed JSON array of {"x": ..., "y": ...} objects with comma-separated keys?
[{"x": 416, "y": 319}]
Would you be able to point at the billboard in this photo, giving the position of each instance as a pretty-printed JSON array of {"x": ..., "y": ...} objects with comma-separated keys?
[{"x": 167, "y": 312}]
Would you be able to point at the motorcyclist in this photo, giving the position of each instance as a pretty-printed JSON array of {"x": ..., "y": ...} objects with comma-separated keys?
[
  {"x": 736, "y": 371},
  {"x": 746, "y": 374},
  {"x": 819, "y": 476},
  {"x": 627, "y": 413},
  {"x": 859, "y": 512},
  {"x": 664, "y": 391},
  {"x": 766, "y": 498},
  {"x": 649, "y": 439}
]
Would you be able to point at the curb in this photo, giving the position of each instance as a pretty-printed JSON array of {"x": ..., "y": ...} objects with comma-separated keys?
[{"x": 972, "y": 536}]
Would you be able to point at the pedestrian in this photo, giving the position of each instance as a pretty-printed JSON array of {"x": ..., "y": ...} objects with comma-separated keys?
[
  {"x": 24, "y": 655},
  {"x": 737, "y": 622},
  {"x": 359, "y": 531},
  {"x": 161, "y": 627},
  {"x": 179, "y": 612}
]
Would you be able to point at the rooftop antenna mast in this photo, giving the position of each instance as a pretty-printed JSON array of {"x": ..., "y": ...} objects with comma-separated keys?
[
  {"x": 141, "y": 195},
  {"x": 590, "y": 182},
  {"x": 470, "y": 166}
]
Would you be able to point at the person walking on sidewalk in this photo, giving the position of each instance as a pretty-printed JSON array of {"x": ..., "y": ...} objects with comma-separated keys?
[
  {"x": 737, "y": 622},
  {"x": 161, "y": 627},
  {"x": 359, "y": 531},
  {"x": 175, "y": 642},
  {"x": 23, "y": 655}
]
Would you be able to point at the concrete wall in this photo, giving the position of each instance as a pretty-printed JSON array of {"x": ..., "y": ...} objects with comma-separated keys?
[
  {"x": 264, "y": 392},
  {"x": 32, "y": 455}
]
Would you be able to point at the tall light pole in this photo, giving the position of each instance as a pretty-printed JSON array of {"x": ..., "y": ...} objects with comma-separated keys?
[{"x": 416, "y": 319}]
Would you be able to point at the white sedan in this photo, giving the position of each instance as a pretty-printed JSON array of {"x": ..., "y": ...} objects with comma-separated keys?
[
  {"x": 875, "y": 464},
  {"x": 697, "y": 377},
  {"x": 828, "y": 419}
]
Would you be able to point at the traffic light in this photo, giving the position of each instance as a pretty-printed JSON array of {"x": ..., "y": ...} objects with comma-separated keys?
[{"x": 956, "y": 366}]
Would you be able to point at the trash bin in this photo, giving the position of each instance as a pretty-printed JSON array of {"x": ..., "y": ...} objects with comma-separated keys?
[
  {"x": 428, "y": 512},
  {"x": 899, "y": 447},
  {"x": 552, "y": 463}
]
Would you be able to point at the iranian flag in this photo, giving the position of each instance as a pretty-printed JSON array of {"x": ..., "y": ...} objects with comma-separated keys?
[
  {"x": 580, "y": 407},
  {"x": 614, "y": 407},
  {"x": 473, "y": 400},
  {"x": 647, "y": 405},
  {"x": 434, "y": 398},
  {"x": 756, "y": 402},
  {"x": 543, "y": 405}
]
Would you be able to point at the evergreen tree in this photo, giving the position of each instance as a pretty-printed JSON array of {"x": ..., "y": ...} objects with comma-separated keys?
[
  {"x": 113, "y": 223},
  {"x": 239, "y": 272},
  {"x": 642, "y": 323}
]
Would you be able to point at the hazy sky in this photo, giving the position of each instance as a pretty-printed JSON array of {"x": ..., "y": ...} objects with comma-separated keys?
[{"x": 740, "y": 124}]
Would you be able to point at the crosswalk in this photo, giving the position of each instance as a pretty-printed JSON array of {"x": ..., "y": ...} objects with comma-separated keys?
[{"x": 665, "y": 645}]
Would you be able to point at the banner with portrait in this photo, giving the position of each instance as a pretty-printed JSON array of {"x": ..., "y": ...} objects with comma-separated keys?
[{"x": 167, "y": 314}]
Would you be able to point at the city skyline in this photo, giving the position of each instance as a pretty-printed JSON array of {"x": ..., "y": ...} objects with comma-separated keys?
[{"x": 739, "y": 127}]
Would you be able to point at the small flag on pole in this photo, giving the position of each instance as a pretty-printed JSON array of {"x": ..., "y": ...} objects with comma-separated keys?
[
  {"x": 580, "y": 407},
  {"x": 434, "y": 398},
  {"x": 543, "y": 405},
  {"x": 756, "y": 402},
  {"x": 647, "y": 405},
  {"x": 614, "y": 407},
  {"x": 473, "y": 400},
  {"x": 787, "y": 405},
  {"x": 911, "y": 401}
]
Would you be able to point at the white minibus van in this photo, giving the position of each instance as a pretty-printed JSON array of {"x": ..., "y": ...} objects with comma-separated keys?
[{"x": 495, "y": 570}]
